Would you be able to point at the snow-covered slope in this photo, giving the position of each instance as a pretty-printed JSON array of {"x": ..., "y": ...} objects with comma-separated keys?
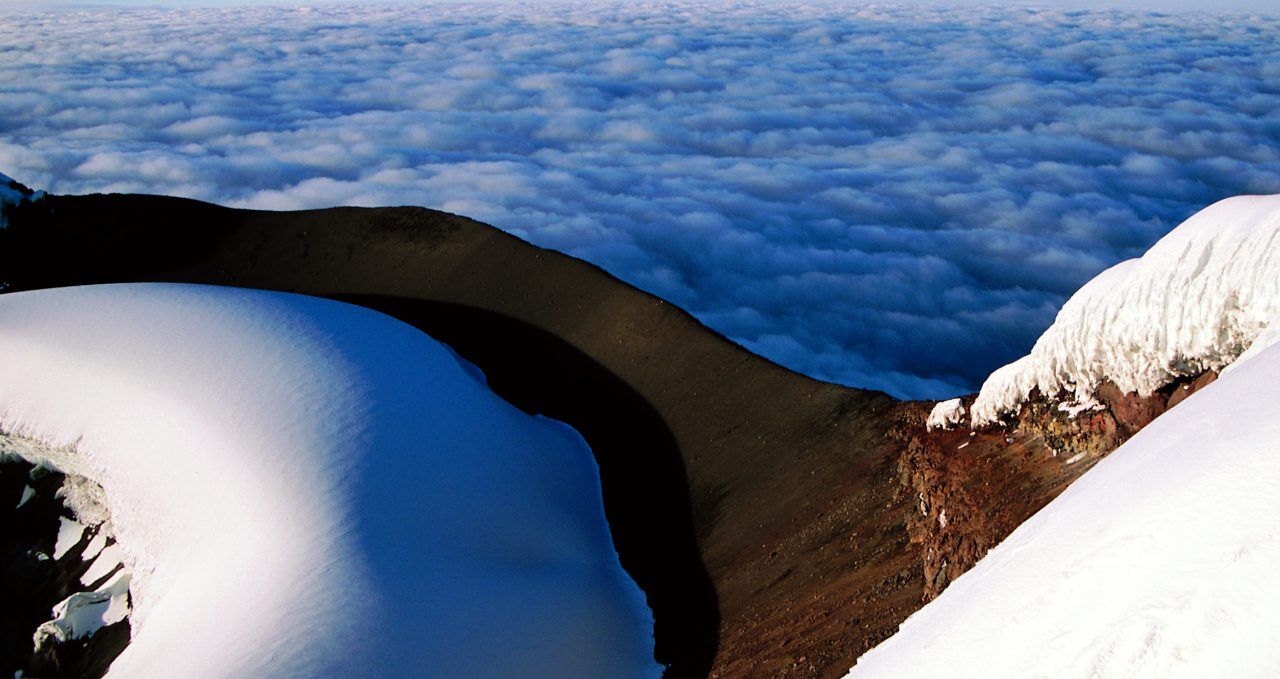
[
  {"x": 301, "y": 487},
  {"x": 1160, "y": 562},
  {"x": 1194, "y": 302}
]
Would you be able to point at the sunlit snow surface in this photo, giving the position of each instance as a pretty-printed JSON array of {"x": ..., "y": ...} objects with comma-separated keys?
[
  {"x": 1194, "y": 302},
  {"x": 307, "y": 488}
]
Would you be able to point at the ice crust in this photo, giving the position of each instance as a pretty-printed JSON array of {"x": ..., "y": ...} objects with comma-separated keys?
[
  {"x": 1157, "y": 563},
  {"x": 1196, "y": 301},
  {"x": 301, "y": 487}
]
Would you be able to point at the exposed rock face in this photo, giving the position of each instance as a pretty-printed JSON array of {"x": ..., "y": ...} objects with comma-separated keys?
[
  {"x": 780, "y": 526},
  {"x": 38, "y": 571},
  {"x": 972, "y": 488}
]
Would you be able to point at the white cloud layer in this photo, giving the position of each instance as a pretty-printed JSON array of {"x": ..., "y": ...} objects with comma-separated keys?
[{"x": 889, "y": 197}]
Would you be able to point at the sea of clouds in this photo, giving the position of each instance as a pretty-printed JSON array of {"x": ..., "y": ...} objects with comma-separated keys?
[{"x": 889, "y": 197}]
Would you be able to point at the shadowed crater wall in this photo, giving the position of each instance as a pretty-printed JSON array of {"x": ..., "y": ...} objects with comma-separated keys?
[{"x": 642, "y": 476}]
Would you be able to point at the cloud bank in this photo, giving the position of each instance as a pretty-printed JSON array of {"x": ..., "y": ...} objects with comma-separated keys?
[{"x": 889, "y": 197}]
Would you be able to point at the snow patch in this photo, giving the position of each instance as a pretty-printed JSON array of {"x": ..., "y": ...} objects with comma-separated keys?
[
  {"x": 27, "y": 493},
  {"x": 84, "y": 613},
  {"x": 106, "y": 561},
  {"x": 69, "y": 533},
  {"x": 1085, "y": 403},
  {"x": 1196, "y": 301},
  {"x": 945, "y": 415},
  {"x": 95, "y": 546}
]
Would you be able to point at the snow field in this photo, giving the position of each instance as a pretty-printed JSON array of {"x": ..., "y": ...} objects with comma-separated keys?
[{"x": 301, "y": 487}]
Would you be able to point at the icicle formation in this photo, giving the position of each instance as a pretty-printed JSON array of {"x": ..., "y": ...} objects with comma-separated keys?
[{"x": 1195, "y": 301}]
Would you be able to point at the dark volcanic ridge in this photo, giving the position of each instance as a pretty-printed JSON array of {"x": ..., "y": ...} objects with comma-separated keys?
[{"x": 779, "y": 526}]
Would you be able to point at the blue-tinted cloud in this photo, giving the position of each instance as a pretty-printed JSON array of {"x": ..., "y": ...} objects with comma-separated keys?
[{"x": 896, "y": 198}]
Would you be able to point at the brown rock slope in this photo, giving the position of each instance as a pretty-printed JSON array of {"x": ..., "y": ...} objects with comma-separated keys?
[{"x": 780, "y": 526}]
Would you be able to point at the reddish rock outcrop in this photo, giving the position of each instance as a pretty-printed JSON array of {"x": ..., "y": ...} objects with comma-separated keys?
[{"x": 972, "y": 488}]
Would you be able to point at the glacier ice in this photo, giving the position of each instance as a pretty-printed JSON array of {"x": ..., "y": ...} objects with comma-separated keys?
[{"x": 1196, "y": 301}]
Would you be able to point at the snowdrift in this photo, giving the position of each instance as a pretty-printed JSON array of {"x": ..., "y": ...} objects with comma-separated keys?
[
  {"x": 301, "y": 487},
  {"x": 1196, "y": 301}
]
